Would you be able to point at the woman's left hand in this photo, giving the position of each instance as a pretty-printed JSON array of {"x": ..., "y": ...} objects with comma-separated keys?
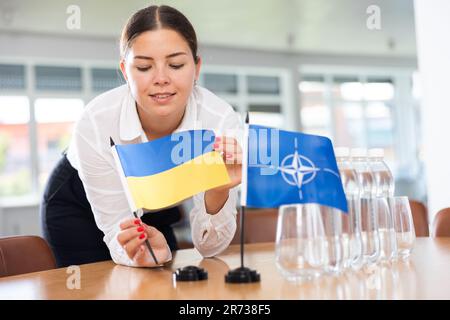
[{"x": 232, "y": 156}]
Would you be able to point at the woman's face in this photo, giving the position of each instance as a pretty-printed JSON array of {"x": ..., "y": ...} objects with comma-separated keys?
[{"x": 160, "y": 71}]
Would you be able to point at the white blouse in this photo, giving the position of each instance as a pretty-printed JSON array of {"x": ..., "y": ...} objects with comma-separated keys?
[{"x": 113, "y": 114}]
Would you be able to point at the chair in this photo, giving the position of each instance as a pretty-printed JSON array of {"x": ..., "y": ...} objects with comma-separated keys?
[
  {"x": 420, "y": 218},
  {"x": 24, "y": 254},
  {"x": 441, "y": 223},
  {"x": 260, "y": 226}
]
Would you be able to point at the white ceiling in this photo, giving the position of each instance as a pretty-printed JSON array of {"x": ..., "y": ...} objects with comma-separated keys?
[{"x": 318, "y": 26}]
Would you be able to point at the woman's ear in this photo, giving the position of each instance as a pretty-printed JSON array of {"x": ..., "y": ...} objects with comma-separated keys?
[
  {"x": 122, "y": 69},
  {"x": 198, "y": 66}
]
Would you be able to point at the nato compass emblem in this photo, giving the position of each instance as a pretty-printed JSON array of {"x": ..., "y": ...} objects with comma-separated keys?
[{"x": 298, "y": 170}]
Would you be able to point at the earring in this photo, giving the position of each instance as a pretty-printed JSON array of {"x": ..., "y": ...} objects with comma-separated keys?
[{"x": 195, "y": 82}]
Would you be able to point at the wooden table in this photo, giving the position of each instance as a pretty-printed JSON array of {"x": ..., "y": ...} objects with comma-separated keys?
[{"x": 426, "y": 276}]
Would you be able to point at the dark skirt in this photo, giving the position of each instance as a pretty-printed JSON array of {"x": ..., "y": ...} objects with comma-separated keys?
[{"x": 68, "y": 222}]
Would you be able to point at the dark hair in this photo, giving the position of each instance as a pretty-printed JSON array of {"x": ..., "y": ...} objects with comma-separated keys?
[{"x": 154, "y": 18}]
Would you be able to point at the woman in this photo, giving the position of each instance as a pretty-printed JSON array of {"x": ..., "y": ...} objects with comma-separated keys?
[{"x": 84, "y": 200}]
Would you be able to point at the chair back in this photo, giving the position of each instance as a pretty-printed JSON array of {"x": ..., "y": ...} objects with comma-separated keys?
[
  {"x": 24, "y": 254},
  {"x": 260, "y": 226},
  {"x": 420, "y": 218},
  {"x": 441, "y": 224}
]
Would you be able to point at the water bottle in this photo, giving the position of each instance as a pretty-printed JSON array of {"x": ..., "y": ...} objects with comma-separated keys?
[
  {"x": 385, "y": 188},
  {"x": 383, "y": 176},
  {"x": 369, "y": 222},
  {"x": 351, "y": 222}
]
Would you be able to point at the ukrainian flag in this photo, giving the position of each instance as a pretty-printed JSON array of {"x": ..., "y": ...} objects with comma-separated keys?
[{"x": 170, "y": 169}]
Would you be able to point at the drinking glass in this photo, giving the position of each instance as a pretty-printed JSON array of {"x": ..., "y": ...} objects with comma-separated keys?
[
  {"x": 369, "y": 231},
  {"x": 386, "y": 231},
  {"x": 308, "y": 241},
  {"x": 403, "y": 225},
  {"x": 351, "y": 235}
]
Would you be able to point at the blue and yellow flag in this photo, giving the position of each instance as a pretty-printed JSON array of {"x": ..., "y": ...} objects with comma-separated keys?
[{"x": 170, "y": 169}]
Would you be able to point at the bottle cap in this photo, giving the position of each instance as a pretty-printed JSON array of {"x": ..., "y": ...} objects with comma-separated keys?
[
  {"x": 376, "y": 153},
  {"x": 358, "y": 153},
  {"x": 341, "y": 152}
]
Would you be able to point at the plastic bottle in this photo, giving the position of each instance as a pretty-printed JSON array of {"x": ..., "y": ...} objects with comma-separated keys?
[
  {"x": 385, "y": 185},
  {"x": 369, "y": 220},
  {"x": 351, "y": 222},
  {"x": 382, "y": 174}
]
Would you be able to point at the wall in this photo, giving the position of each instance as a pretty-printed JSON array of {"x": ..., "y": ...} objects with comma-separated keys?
[{"x": 432, "y": 25}]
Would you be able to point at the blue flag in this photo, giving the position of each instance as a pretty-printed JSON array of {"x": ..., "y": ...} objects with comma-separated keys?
[{"x": 285, "y": 167}]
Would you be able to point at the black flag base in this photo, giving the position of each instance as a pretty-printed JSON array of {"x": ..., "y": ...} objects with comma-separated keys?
[
  {"x": 190, "y": 273},
  {"x": 242, "y": 275}
]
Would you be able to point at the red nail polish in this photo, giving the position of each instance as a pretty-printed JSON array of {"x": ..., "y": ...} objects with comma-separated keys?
[
  {"x": 137, "y": 221},
  {"x": 218, "y": 139},
  {"x": 140, "y": 229},
  {"x": 142, "y": 236},
  {"x": 216, "y": 145}
]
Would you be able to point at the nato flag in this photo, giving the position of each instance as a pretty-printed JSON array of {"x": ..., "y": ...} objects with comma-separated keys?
[{"x": 285, "y": 167}]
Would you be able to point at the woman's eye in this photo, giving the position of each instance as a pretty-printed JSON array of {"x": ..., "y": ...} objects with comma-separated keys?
[
  {"x": 176, "y": 66},
  {"x": 143, "y": 68}
]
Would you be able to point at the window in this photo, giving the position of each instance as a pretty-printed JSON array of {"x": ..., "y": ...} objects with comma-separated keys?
[
  {"x": 315, "y": 114},
  {"x": 263, "y": 85},
  {"x": 246, "y": 90},
  {"x": 266, "y": 115},
  {"x": 221, "y": 83},
  {"x": 348, "y": 112},
  {"x": 37, "y": 116},
  {"x": 106, "y": 79},
  {"x": 55, "y": 119},
  {"x": 354, "y": 111},
  {"x": 51, "y": 78},
  {"x": 15, "y": 168},
  {"x": 12, "y": 76},
  {"x": 349, "y": 124},
  {"x": 379, "y": 94},
  {"x": 32, "y": 143}
]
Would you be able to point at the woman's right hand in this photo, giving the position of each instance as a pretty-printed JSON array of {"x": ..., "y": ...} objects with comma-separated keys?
[{"x": 132, "y": 237}]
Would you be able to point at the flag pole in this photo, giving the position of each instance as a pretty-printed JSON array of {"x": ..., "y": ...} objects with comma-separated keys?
[
  {"x": 128, "y": 195},
  {"x": 243, "y": 274},
  {"x": 244, "y": 185},
  {"x": 242, "y": 235}
]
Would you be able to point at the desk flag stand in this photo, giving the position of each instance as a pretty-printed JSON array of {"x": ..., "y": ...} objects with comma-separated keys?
[{"x": 243, "y": 274}]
